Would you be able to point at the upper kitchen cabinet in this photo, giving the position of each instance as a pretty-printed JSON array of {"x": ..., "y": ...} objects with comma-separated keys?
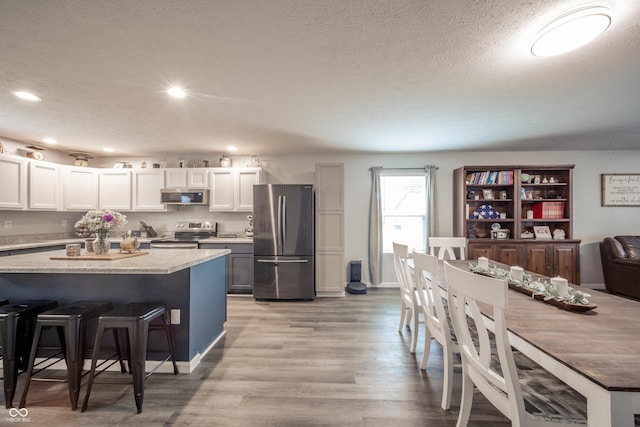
[
  {"x": 147, "y": 184},
  {"x": 191, "y": 178},
  {"x": 13, "y": 176},
  {"x": 115, "y": 189},
  {"x": 79, "y": 188},
  {"x": 44, "y": 186},
  {"x": 232, "y": 188}
]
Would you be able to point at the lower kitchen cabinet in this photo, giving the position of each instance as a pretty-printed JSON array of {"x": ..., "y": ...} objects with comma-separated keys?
[
  {"x": 239, "y": 266},
  {"x": 551, "y": 259}
]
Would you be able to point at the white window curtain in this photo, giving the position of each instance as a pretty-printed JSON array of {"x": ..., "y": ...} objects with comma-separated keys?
[
  {"x": 375, "y": 229},
  {"x": 375, "y": 219}
]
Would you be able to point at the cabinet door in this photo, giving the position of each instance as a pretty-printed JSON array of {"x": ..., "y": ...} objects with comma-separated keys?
[
  {"x": 240, "y": 273},
  {"x": 222, "y": 193},
  {"x": 44, "y": 186},
  {"x": 539, "y": 259},
  {"x": 146, "y": 190},
  {"x": 197, "y": 178},
  {"x": 79, "y": 188},
  {"x": 565, "y": 262},
  {"x": 246, "y": 179},
  {"x": 115, "y": 189},
  {"x": 478, "y": 249},
  {"x": 175, "y": 178},
  {"x": 13, "y": 176},
  {"x": 510, "y": 254}
]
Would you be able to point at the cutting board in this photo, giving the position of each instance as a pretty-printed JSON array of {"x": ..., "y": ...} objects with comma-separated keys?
[{"x": 106, "y": 257}]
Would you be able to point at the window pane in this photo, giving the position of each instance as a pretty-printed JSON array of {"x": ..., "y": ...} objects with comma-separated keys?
[
  {"x": 404, "y": 211},
  {"x": 408, "y": 230},
  {"x": 403, "y": 195}
]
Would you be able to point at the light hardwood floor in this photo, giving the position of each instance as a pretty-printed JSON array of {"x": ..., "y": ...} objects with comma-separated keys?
[{"x": 331, "y": 362}]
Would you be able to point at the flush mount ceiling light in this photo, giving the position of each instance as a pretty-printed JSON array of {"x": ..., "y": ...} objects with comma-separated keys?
[
  {"x": 176, "y": 92},
  {"x": 571, "y": 30},
  {"x": 108, "y": 149},
  {"x": 232, "y": 148},
  {"x": 27, "y": 95},
  {"x": 50, "y": 141}
]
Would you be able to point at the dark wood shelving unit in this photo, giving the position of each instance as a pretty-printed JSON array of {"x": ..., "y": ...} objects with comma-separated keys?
[{"x": 523, "y": 197}]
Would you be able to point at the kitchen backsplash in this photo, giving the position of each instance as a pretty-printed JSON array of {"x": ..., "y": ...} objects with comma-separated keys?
[{"x": 30, "y": 226}]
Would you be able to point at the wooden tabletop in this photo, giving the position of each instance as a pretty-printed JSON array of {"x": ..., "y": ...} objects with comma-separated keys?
[{"x": 602, "y": 344}]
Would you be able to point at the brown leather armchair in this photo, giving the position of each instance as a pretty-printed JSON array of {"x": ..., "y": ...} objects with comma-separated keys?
[{"x": 621, "y": 265}]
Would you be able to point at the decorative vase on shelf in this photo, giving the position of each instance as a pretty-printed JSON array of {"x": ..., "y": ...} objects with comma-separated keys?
[{"x": 101, "y": 245}]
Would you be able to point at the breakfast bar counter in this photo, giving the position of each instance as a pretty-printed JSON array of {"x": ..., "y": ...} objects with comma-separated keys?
[{"x": 192, "y": 281}]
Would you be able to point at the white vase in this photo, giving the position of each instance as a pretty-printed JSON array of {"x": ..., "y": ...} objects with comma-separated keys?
[{"x": 101, "y": 245}]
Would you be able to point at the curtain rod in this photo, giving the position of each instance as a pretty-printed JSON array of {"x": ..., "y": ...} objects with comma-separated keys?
[{"x": 422, "y": 168}]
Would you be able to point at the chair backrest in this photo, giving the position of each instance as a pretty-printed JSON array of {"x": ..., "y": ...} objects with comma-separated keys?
[
  {"x": 465, "y": 290},
  {"x": 425, "y": 271},
  {"x": 448, "y": 246},
  {"x": 400, "y": 256}
]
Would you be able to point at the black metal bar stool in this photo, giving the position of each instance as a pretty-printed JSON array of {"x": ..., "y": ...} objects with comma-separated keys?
[
  {"x": 17, "y": 322},
  {"x": 70, "y": 322},
  {"x": 135, "y": 319}
]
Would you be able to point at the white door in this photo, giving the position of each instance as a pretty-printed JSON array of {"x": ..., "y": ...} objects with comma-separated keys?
[
  {"x": 13, "y": 176},
  {"x": 245, "y": 181},
  {"x": 197, "y": 178},
  {"x": 147, "y": 184},
  {"x": 44, "y": 185},
  {"x": 175, "y": 178},
  {"x": 79, "y": 188},
  {"x": 222, "y": 190},
  {"x": 115, "y": 189}
]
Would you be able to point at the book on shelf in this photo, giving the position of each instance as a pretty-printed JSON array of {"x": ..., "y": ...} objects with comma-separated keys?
[{"x": 504, "y": 177}]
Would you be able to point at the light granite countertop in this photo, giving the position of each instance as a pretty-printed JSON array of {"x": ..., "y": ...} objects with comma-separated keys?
[{"x": 156, "y": 261}]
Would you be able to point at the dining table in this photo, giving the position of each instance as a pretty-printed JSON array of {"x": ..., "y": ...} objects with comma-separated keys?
[{"x": 596, "y": 351}]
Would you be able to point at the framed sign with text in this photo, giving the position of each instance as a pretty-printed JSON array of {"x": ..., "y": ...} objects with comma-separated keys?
[{"x": 620, "y": 189}]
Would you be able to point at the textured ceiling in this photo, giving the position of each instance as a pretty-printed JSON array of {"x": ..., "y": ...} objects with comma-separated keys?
[{"x": 311, "y": 76}]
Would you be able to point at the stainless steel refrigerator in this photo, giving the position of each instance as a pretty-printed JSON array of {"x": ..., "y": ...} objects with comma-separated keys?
[{"x": 283, "y": 242}]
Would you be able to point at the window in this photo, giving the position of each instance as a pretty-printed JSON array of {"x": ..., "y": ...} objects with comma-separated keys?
[{"x": 404, "y": 210}]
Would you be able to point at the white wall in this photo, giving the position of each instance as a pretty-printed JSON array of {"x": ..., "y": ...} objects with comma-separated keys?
[{"x": 591, "y": 221}]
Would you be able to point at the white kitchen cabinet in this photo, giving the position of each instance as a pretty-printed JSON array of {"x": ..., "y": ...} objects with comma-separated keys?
[
  {"x": 147, "y": 184},
  {"x": 232, "y": 188},
  {"x": 190, "y": 178},
  {"x": 79, "y": 188},
  {"x": 44, "y": 186},
  {"x": 13, "y": 176},
  {"x": 115, "y": 189},
  {"x": 330, "y": 264}
]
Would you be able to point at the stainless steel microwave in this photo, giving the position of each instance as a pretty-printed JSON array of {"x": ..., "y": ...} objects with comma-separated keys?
[{"x": 185, "y": 197}]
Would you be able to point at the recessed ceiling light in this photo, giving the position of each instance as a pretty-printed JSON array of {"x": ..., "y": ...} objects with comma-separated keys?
[
  {"x": 232, "y": 148},
  {"x": 108, "y": 149},
  {"x": 571, "y": 30},
  {"x": 27, "y": 95},
  {"x": 176, "y": 92},
  {"x": 50, "y": 141}
]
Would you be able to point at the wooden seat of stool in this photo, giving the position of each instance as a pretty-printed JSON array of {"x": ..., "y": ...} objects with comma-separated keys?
[
  {"x": 135, "y": 318},
  {"x": 70, "y": 322},
  {"x": 17, "y": 322}
]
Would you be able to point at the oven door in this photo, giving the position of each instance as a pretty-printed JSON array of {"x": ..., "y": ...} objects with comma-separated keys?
[{"x": 174, "y": 244}]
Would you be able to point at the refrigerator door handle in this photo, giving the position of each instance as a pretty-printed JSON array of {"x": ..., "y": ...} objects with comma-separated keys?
[
  {"x": 279, "y": 225},
  {"x": 280, "y": 261},
  {"x": 283, "y": 225}
]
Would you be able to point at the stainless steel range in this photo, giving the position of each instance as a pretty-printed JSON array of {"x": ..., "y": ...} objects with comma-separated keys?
[{"x": 187, "y": 234}]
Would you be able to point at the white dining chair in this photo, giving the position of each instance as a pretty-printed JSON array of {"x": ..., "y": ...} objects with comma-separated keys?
[
  {"x": 408, "y": 300},
  {"x": 435, "y": 319},
  {"x": 499, "y": 384},
  {"x": 454, "y": 247}
]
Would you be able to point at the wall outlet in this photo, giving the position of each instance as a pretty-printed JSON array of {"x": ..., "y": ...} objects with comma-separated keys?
[
  {"x": 175, "y": 316},
  {"x": 8, "y": 224},
  {"x": 63, "y": 223}
]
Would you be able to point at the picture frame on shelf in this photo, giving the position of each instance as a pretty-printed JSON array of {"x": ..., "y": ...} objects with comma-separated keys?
[
  {"x": 503, "y": 195},
  {"x": 542, "y": 232},
  {"x": 487, "y": 194}
]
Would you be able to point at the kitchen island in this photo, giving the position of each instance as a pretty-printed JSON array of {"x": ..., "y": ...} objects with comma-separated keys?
[{"x": 192, "y": 281}]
